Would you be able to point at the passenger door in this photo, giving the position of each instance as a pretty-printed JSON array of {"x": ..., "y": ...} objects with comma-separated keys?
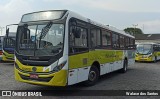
[{"x": 78, "y": 51}]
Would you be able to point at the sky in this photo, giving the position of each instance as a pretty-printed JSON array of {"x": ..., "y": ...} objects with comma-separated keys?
[{"x": 143, "y": 14}]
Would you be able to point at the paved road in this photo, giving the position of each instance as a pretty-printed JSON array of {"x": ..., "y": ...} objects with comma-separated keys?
[{"x": 141, "y": 76}]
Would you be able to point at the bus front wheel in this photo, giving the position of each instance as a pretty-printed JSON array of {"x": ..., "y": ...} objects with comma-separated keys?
[{"x": 93, "y": 76}]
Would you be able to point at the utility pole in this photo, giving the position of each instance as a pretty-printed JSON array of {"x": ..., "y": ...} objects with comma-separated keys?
[{"x": 134, "y": 25}]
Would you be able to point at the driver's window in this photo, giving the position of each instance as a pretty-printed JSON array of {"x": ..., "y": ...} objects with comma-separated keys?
[
  {"x": 81, "y": 41},
  {"x": 78, "y": 43}
]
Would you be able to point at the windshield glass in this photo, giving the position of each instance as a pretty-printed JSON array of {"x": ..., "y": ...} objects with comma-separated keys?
[
  {"x": 41, "y": 40},
  {"x": 144, "y": 49},
  {"x": 9, "y": 42}
]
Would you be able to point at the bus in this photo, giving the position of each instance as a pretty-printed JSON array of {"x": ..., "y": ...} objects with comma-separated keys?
[
  {"x": 1, "y": 43},
  {"x": 147, "y": 52},
  {"x": 8, "y": 48},
  {"x": 61, "y": 48},
  {"x": 9, "y": 43}
]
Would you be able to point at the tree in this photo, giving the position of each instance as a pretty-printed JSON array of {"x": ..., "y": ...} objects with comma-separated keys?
[{"x": 133, "y": 30}]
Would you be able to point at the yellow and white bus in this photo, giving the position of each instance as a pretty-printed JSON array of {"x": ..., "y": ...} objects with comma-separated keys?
[
  {"x": 9, "y": 43},
  {"x": 149, "y": 52},
  {"x": 8, "y": 48},
  {"x": 60, "y": 48}
]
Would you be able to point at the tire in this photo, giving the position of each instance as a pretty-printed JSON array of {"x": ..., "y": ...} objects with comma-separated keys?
[
  {"x": 125, "y": 67},
  {"x": 93, "y": 76}
]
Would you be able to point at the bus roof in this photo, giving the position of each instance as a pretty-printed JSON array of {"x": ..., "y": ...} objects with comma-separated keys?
[
  {"x": 75, "y": 15},
  {"x": 111, "y": 28}
]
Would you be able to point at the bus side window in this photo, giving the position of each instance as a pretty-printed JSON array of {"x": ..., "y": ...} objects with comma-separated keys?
[
  {"x": 126, "y": 42},
  {"x": 122, "y": 42},
  {"x": 95, "y": 37},
  {"x": 106, "y": 39},
  {"x": 78, "y": 42},
  {"x": 155, "y": 48},
  {"x": 115, "y": 41}
]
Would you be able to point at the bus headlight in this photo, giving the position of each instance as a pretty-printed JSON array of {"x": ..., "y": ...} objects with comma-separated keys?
[{"x": 60, "y": 66}]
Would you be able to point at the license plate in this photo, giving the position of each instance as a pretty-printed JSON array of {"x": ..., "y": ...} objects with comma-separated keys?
[
  {"x": 143, "y": 59},
  {"x": 33, "y": 76}
]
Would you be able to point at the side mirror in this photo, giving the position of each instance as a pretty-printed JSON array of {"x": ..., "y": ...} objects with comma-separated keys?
[
  {"x": 26, "y": 32},
  {"x": 7, "y": 32},
  {"x": 76, "y": 32}
]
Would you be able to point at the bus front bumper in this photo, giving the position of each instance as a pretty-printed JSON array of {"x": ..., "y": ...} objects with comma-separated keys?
[
  {"x": 55, "y": 79},
  {"x": 7, "y": 59},
  {"x": 147, "y": 59}
]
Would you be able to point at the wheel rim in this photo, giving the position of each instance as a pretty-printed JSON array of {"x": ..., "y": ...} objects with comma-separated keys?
[{"x": 92, "y": 75}]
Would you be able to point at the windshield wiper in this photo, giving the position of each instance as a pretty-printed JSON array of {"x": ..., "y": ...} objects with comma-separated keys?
[{"x": 45, "y": 30}]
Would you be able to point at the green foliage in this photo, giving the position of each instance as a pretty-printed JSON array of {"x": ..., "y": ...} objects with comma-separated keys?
[{"x": 133, "y": 30}]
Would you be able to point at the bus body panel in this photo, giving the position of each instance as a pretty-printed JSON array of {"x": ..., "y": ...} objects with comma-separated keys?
[
  {"x": 144, "y": 58},
  {"x": 44, "y": 78},
  {"x": 88, "y": 58},
  {"x": 109, "y": 60},
  {"x": 58, "y": 79},
  {"x": 7, "y": 57}
]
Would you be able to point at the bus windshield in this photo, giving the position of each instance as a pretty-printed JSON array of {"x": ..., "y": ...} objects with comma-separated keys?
[
  {"x": 9, "y": 42},
  {"x": 144, "y": 49},
  {"x": 40, "y": 40}
]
